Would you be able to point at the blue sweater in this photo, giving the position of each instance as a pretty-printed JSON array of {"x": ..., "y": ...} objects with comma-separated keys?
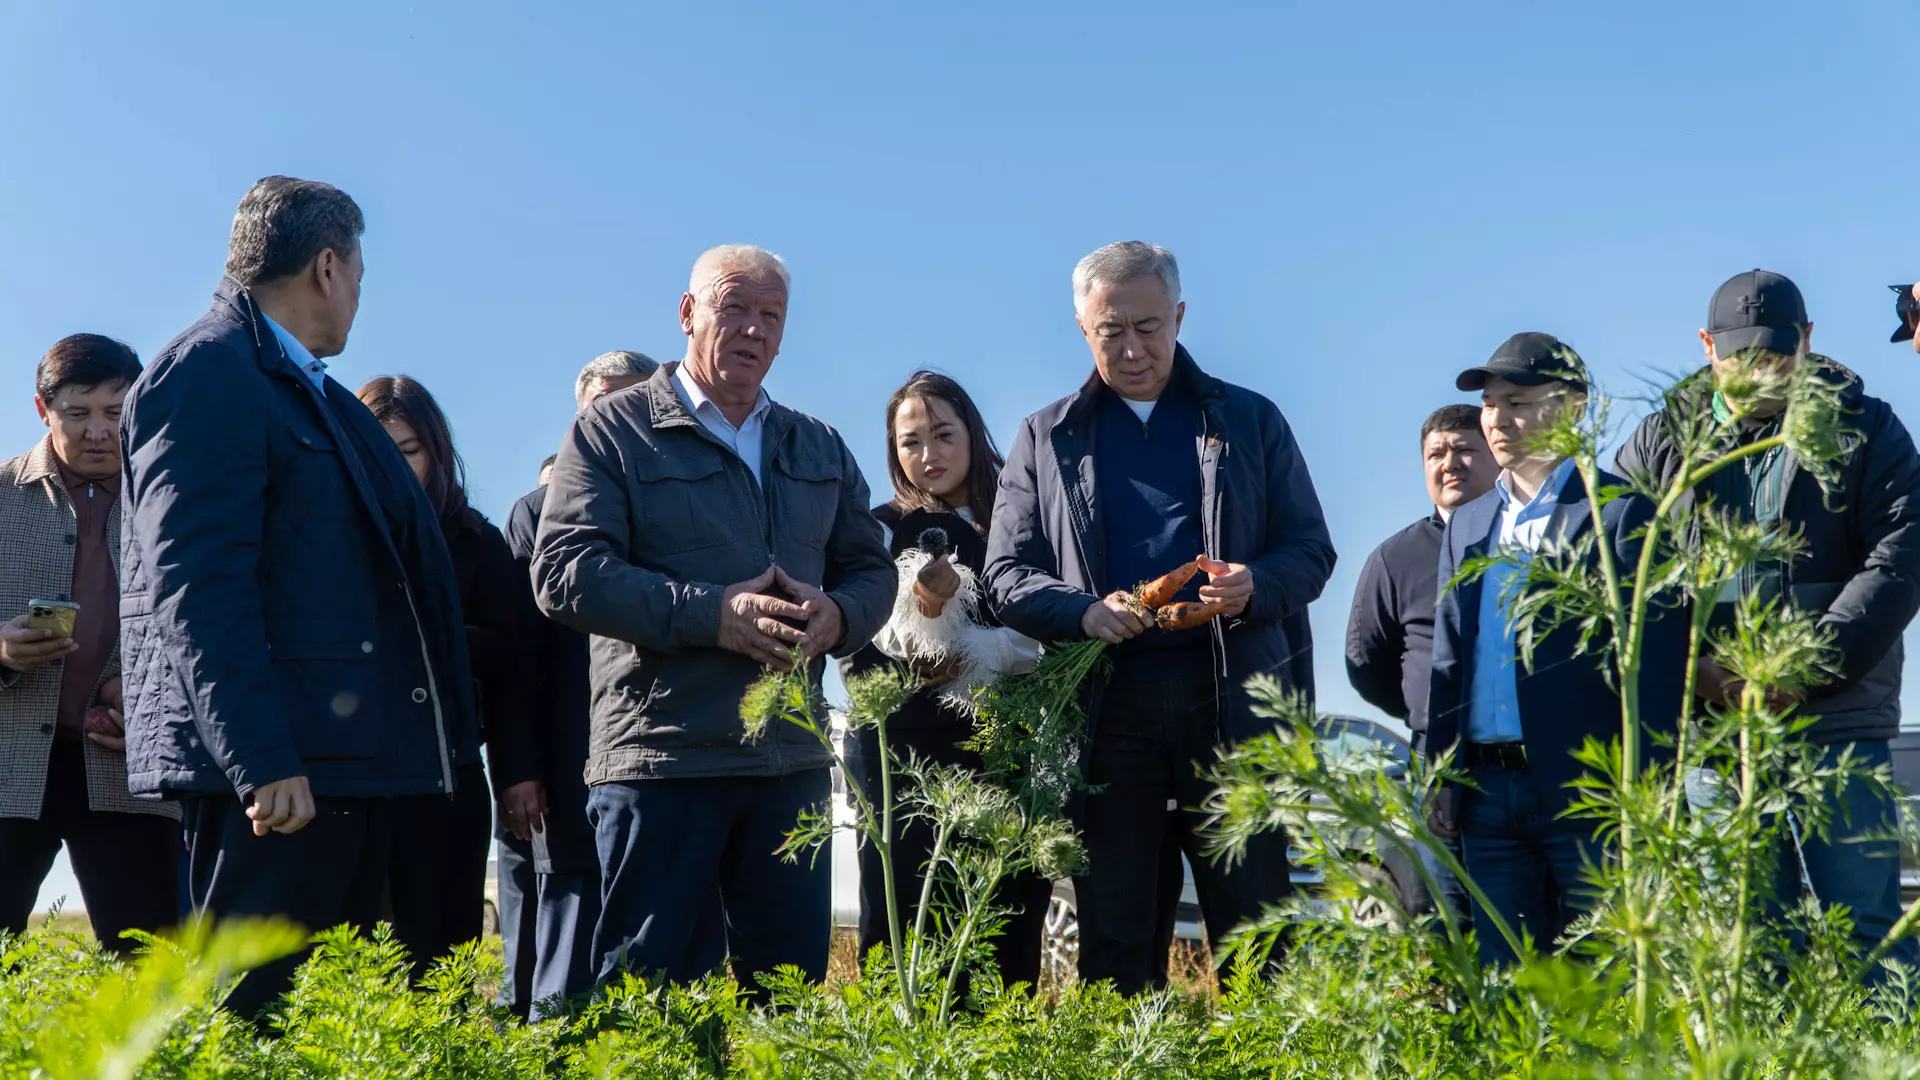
[{"x": 1149, "y": 497}]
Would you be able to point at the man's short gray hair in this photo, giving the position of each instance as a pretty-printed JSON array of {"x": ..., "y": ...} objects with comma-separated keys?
[
  {"x": 282, "y": 224},
  {"x": 1123, "y": 262},
  {"x": 744, "y": 257},
  {"x": 618, "y": 364}
]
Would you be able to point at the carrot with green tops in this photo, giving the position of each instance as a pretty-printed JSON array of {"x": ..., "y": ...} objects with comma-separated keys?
[
  {"x": 1160, "y": 592},
  {"x": 1185, "y": 615}
]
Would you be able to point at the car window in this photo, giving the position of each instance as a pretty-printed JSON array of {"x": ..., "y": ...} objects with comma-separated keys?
[{"x": 1343, "y": 737}]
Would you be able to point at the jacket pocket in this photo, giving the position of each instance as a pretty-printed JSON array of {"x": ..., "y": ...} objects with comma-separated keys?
[
  {"x": 808, "y": 497},
  {"x": 681, "y": 504},
  {"x": 326, "y": 682}
]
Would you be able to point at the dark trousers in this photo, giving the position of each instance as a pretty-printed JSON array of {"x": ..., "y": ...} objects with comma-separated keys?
[
  {"x": 1452, "y": 895},
  {"x": 333, "y": 871},
  {"x": 128, "y": 865},
  {"x": 1862, "y": 875},
  {"x": 1151, "y": 741},
  {"x": 546, "y": 927},
  {"x": 679, "y": 859},
  {"x": 1017, "y": 949},
  {"x": 519, "y": 891},
  {"x": 437, "y": 873},
  {"x": 1528, "y": 860}
]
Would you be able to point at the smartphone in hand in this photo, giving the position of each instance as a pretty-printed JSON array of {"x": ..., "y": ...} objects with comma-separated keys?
[{"x": 58, "y": 616}]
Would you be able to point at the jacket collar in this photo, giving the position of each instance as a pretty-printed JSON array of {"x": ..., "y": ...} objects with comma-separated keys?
[
  {"x": 1209, "y": 390},
  {"x": 666, "y": 410},
  {"x": 238, "y": 304},
  {"x": 40, "y": 464}
]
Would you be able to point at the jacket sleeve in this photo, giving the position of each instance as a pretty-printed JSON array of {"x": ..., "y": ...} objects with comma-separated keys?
[
  {"x": 860, "y": 575},
  {"x": 1299, "y": 560},
  {"x": 1877, "y": 603},
  {"x": 196, "y": 504},
  {"x": 581, "y": 575},
  {"x": 501, "y": 631},
  {"x": 1641, "y": 452},
  {"x": 1023, "y": 574},
  {"x": 1376, "y": 642},
  {"x": 1445, "y": 683}
]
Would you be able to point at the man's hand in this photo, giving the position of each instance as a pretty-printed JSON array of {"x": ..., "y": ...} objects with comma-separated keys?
[
  {"x": 106, "y": 725},
  {"x": 1718, "y": 686},
  {"x": 284, "y": 806},
  {"x": 523, "y": 809},
  {"x": 1227, "y": 583},
  {"x": 825, "y": 623},
  {"x": 1113, "y": 619},
  {"x": 23, "y": 650},
  {"x": 750, "y": 622},
  {"x": 1440, "y": 819}
]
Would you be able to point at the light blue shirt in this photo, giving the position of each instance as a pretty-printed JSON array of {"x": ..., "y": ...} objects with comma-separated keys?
[
  {"x": 1493, "y": 706},
  {"x": 315, "y": 367},
  {"x": 745, "y": 440}
]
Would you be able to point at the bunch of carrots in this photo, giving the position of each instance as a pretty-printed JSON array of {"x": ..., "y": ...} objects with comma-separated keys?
[{"x": 1154, "y": 599}]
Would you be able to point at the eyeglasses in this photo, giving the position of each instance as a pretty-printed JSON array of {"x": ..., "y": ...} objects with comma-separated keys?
[{"x": 1905, "y": 307}]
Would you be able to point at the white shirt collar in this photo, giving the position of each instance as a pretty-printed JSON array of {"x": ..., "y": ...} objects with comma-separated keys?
[
  {"x": 1550, "y": 490},
  {"x": 314, "y": 367},
  {"x": 699, "y": 400}
]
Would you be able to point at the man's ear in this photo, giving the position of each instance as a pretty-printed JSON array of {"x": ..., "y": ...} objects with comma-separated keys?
[
  {"x": 686, "y": 313},
  {"x": 1706, "y": 343},
  {"x": 40, "y": 407},
  {"x": 326, "y": 271},
  {"x": 1179, "y": 314}
]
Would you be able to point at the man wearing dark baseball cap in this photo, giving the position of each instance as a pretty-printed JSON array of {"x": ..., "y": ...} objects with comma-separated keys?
[
  {"x": 1906, "y": 308},
  {"x": 1858, "y": 571},
  {"x": 1514, "y": 730}
]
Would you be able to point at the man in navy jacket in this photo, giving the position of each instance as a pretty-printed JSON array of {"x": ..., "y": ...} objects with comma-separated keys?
[
  {"x": 294, "y": 647},
  {"x": 1148, "y": 464},
  {"x": 1513, "y": 727}
]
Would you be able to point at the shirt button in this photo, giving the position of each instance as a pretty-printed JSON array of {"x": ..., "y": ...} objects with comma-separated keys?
[
  {"x": 46, "y": 729},
  {"x": 366, "y": 646},
  {"x": 71, "y": 539},
  {"x": 419, "y": 695}
]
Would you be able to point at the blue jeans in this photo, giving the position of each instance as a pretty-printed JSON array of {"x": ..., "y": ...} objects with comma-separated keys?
[
  {"x": 1530, "y": 862},
  {"x": 681, "y": 858},
  {"x": 1864, "y": 876}
]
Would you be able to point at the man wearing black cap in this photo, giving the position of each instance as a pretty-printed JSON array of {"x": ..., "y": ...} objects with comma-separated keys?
[
  {"x": 1514, "y": 730},
  {"x": 1906, "y": 308},
  {"x": 1858, "y": 570}
]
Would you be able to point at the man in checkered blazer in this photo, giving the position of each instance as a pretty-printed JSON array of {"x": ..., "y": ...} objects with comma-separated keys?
[{"x": 63, "y": 769}]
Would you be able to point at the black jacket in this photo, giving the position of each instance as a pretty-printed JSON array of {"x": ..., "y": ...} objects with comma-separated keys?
[
  {"x": 561, "y": 715},
  {"x": 277, "y": 619},
  {"x": 501, "y": 621},
  {"x": 1861, "y": 565},
  {"x": 1390, "y": 631},
  {"x": 1046, "y": 558},
  {"x": 1566, "y": 698}
]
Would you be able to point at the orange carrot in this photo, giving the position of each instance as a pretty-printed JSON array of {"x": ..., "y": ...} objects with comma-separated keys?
[
  {"x": 1159, "y": 592},
  {"x": 1185, "y": 615}
]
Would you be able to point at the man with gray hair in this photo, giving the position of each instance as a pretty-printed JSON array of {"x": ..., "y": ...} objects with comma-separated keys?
[
  {"x": 612, "y": 371},
  {"x": 549, "y": 879},
  {"x": 295, "y": 650},
  {"x": 700, "y": 532},
  {"x": 1150, "y": 462}
]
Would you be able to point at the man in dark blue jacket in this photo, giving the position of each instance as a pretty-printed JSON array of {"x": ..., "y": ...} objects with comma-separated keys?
[
  {"x": 1858, "y": 571},
  {"x": 549, "y": 873},
  {"x": 1149, "y": 464},
  {"x": 1512, "y": 727},
  {"x": 1390, "y": 631},
  {"x": 291, "y": 625}
]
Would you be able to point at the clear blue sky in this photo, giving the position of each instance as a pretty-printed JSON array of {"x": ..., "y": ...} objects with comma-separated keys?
[{"x": 1364, "y": 198}]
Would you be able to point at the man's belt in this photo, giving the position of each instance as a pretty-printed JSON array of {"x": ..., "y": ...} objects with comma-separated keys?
[{"x": 1500, "y": 755}]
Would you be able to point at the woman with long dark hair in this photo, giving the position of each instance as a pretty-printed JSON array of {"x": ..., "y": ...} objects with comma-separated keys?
[
  {"x": 945, "y": 471},
  {"x": 437, "y": 875}
]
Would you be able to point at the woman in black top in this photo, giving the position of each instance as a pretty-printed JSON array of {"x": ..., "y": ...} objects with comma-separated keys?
[
  {"x": 437, "y": 874},
  {"x": 945, "y": 471}
]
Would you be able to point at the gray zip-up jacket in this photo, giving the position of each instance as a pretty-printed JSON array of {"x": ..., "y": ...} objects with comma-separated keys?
[{"x": 648, "y": 519}]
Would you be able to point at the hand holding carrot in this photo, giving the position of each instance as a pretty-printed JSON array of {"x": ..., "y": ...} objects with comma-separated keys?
[
  {"x": 1228, "y": 584},
  {"x": 1115, "y": 618},
  {"x": 750, "y": 622}
]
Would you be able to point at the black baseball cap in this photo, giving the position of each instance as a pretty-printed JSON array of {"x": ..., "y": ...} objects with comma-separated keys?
[
  {"x": 1904, "y": 307},
  {"x": 1530, "y": 359},
  {"x": 1757, "y": 309}
]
